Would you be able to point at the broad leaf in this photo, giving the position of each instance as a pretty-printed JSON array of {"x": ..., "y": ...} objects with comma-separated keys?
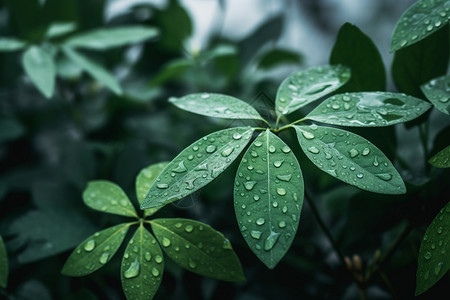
[
  {"x": 268, "y": 197},
  {"x": 438, "y": 92},
  {"x": 3, "y": 265},
  {"x": 144, "y": 181},
  {"x": 356, "y": 50},
  {"x": 108, "y": 197},
  {"x": 306, "y": 86},
  {"x": 11, "y": 44},
  {"x": 441, "y": 159},
  {"x": 94, "y": 252},
  {"x": 59, "y": 29},
  {"x": 142, "y": 266},
  {"x": 350, "y": 158},
  {"x": 102, "y": 39},
  {"x": 96, "y": 70},
  {"x": 276, "y": 57},
  {"x": 197, "y": 165},
  {"x": 420, "y": 20},
  {"x": 216, "y": 105},
  {"x": 371, "y": 109},
  {"x": 198, "y": 248},
  {"x": 40, "y": 68},
  {"x": 433, "y": 260}
]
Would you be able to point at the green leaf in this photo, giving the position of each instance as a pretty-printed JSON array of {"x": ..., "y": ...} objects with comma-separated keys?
[
  {"x": 144, "y": 181},
  {"x": 102, "y": 39},
  {"x": 421, "y": 62},
  {"x": 11, "y": 44},
  {"x": 59, "y": 29},
  {"x": 441, "y": 159},
  {"x": 108, "y": 197},
  {"x": 438, "y": 92},
  {"x": 356, "y": 50},
  {"x": 275, "y": 57},
  {"x": 350, "y": 158},
  {"x": 420, "y": 20},
  {"x": 306, "y": 86},
  {"x": 198, "y": 248},
  {"x": 40, "y": 68},
  {"x": 94, "y": 252},
  {"x": 3, "y": 265},
  {"x": 268, "y": 197},
  {"x": 216, "y": 105},
  {"x": 197, "y": 165},
  {"x": 174, "y": 69},
  {"x": 142, "y": 266},
  {"x": 96, "y": 70},
  {"x": 433, "y": 260},
  {"x": 371, "y": 109}
]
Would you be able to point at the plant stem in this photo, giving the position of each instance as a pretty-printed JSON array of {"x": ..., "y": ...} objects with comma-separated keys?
[{"x": 291, "y": 124}]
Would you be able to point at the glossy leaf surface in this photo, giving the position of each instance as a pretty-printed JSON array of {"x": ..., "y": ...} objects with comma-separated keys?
[
  {"x": 11, "y": 44},
  {"x": 350, "y": 158},
  {"x": 40, "y": 68},
  {"x": 59, "y": 29},
  {"x": 438, "y": 92},
  {"x": 433, "y": 260},
  {"x": 144, "y": 181},
  {"x": 94, "y": 69},
  {"x": 94, "y": 252},
  {"x": 102, "y": 39},
  {"x": 268, "y": 197},
  {"x": 197, "y": 165},
  {"x": 422, "y": 19},
  {"x": 108, "y": 197},
  {"x": 306, "y": 86},
  {"x": 216, "y": 105},
  {"x": 441, "y": 159},
  {"x": 198, "y": 248},
  {"x": 3, "y": 265},
  {"x": 142, "y": 266},
  {"x": 370, "y": 109}
]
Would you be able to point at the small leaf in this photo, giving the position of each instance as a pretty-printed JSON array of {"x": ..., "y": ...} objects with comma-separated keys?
[
  {"x": 144, "y": 181},
  {"x": 350, "y": 158},
  {"x": 94, "y": 252},
  {"x": 108, "y": 197},
  {"x": 197, "y": 165},
  {"x": 11, "y": 44},
  {"x": 438, "y": 92},
  {"x": 142, "y": 266},
  {"x": 216, "y": 105},
  {"x": 276, "y": 57},
  {"x": 102, "y": 39},
  {"x": 441, "y": 159},
  {"x": 96, "y": 70},
  {"x": 198, "y": 248},
  {"x": 433, "y": 260},
  {"x": 306, "y": 86},
  {"x": 420, "y": 20},
  {"x": 3, "y": 265},
  {"x": 371, "y": 109},
  {"x": 268, "y": 197},
  {"x": 59, "y": 29},
  {"x": 40, "y": 68}
]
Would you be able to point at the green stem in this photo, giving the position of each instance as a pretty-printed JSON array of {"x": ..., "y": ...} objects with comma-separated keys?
[
  {"x": 290, "y": 125},
  {"x": 278, "y": 121}
]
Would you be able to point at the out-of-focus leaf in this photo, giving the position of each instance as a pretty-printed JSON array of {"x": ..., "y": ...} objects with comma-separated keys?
[
  {"x": 441, "y": 159},
  {"x": 40, "y": 68},
  {"x": 3, "y": 265},
  {"x": 33, "y": 289},
  {"x": 11, "y": 44},
  {"x": 173, "y": 70},
  {"x": 10, "y": 129},
  {"x": 59, "y": 29},
  {"x": 275, "y": 57},
  {"x": 67, "y": 69},
  {"x": 144, "y": 181},
  {"x": 438, "y": 92},
  {"x": 356, "y": 50}
]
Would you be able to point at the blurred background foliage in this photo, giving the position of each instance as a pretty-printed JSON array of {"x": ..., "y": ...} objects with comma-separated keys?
[{"x": 50, "y": 149}]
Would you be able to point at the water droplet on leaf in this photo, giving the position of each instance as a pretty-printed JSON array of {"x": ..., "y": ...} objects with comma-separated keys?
[
  {"x": 89, "y": 246},
  {"x": 133, "y": 270}
]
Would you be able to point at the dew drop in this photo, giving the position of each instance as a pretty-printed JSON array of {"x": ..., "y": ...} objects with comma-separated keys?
[
  {"x": 227, "y": 245},
  {"x": 162, "y": 185},
  {"x": 254, "y": 154},
  {"x": 308, "y": 135},
  {"x": 286, "y": 177},
  {"x": 403, "y": 43},
  {"x": 256, "y": 197},
  {"x": 178, "y": 225},
  {"x": 255, "y": 234},
  {"x": 165, "y": 242},
  {"x": 438, "y": 268},
  {"x": 148, "y": 256},
  {"x": 190, "y": 157},
  {"x": 104, "y": 258},
  {"x": 278, "y": 163},
  {"x": 205, "y": 96},
  {"x": 192, "y": 264},
  {"x": 440, "y": 230},
  {"x": 365, "y": 151},
  {"x": 281, "y": 191},
  {"x": 360, "y": 175},
  {"x": 313, "y": 150},
  {"x": 211, "y": 149},
  {"x": 260, "y": 221},
  {"x": 285, "y": 149},
  {"x": 275, "y": 204},
  {"x": 271, "y": 240},
  {"x": 180, "y": 168},
  {"x": 133, "y": 270},
  {"x": 227, "y": 152},
  {"x": 258, "y": 143},
  {"x": 155, "y": 272},
  {"x": 272, "y": 149},
  {"x": 237, "y": 136},
  {"x": 353, "y": 153},
  {"x": 189, "y": 228},
  {"x": 89, "y": 246},
  {"x": 284, "y": 209},
  {"x": 282, "y": 224},
  {"x": 384, "y": 176},
  {"x": 249, "y": 185},
  {"x": 195, "y": 148},
  {"x": 158, "y": 259},
  {"x": 375, "y": 162}
]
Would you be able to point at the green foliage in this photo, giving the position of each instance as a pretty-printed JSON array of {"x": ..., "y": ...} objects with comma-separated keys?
[
  {"x": 441, "y": 159},
  {"x": 11, "y": 44},
  {"x": 3, "y": 265},
  {"x": 438, "y": 92},
  {"x": 40, "y": 68}
]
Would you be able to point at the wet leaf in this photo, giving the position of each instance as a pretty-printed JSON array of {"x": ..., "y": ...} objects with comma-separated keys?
[
  {"x": 216, "y": 105},
  {"x": 370, "y": 109},
  {"x": 94, "y": 69},
  {"x": 433, "y": 260},
  {"x": 438, "y": 92},
  {"x": 11, "y": 44},
  {"x": 40, "y": 68},
  {"x": 441, "y": 159},
  {"x": 59, "y": 29},
  {"x": 144, "y": 181},
  {"x": 3, "y": 265},
  {"x": 108, "y": 197},
  {"x": 102, "y": 39},
  {"x": 306, "y": 86},
  {"x": 268, "y": 197},
  {"x": 198, "y": 248},
  {"x": 350, "y": 158},
  {"x": 420, "y": 20},
  {"x": 94, "y": 252},
  {"x": 197, "y": 165},
  {"x": 142, "y": 266}
]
